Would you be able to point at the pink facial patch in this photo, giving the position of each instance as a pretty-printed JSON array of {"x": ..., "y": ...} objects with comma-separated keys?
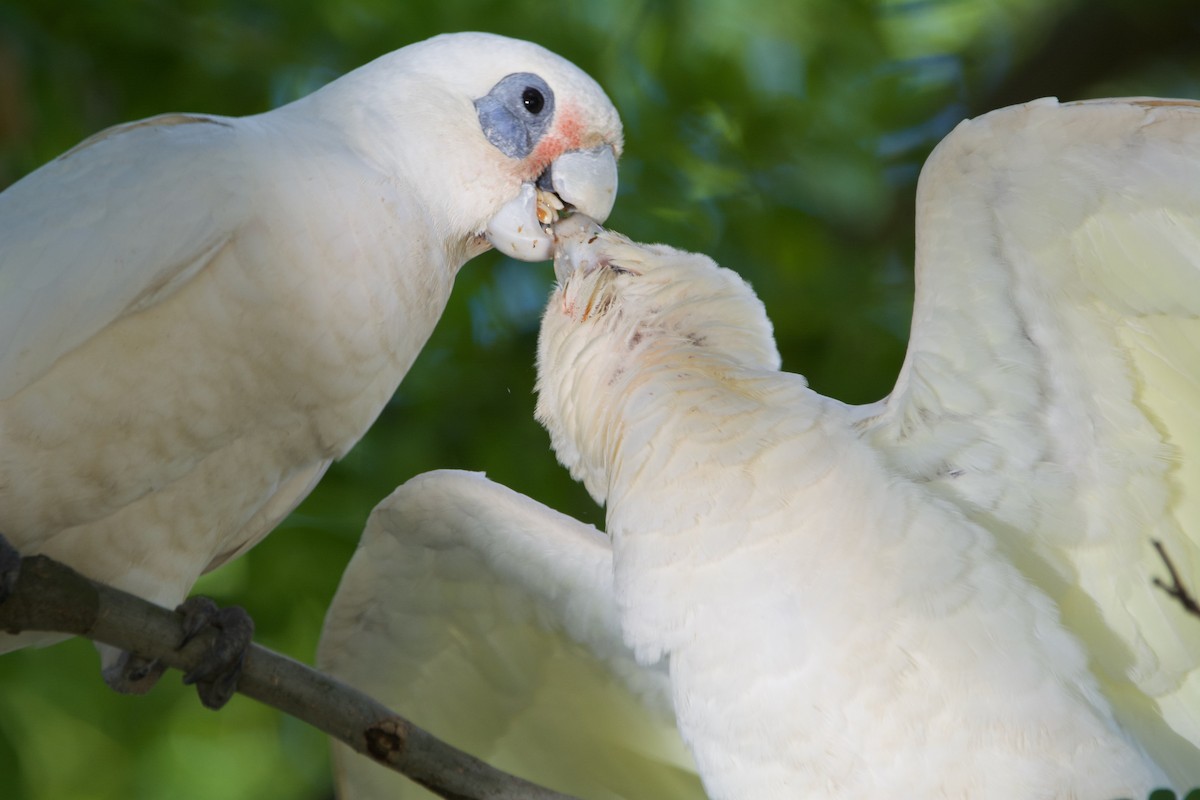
[{"x": 567, "y": 134}]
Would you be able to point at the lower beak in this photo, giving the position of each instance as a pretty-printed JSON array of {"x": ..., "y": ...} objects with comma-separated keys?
[{"x": 584, "y": 180}]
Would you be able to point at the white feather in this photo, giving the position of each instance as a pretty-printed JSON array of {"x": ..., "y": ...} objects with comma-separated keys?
[
  {"x": 1079, "y": 442},
  {"x": 489, "y": 619}
]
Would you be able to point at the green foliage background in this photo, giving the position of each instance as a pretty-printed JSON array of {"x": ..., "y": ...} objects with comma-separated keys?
[{"x": 784, "y": 139}]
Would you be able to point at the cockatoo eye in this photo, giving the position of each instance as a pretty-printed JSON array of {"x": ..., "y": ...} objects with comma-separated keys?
[
  {"x": 534, "y": 100},
  {"x": 516, "y": 113}
]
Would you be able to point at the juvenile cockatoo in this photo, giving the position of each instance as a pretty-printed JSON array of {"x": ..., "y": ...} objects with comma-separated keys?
[
  {"x": 948, "y": 593},
  {"x": 199, "y": 313}
]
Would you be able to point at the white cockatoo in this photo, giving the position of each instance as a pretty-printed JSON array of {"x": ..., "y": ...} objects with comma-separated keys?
[
  {"x": 199, "y": 313},
  {"x": 948, "y": 593}
]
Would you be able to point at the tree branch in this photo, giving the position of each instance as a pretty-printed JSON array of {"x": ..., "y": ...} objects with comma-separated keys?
[
  {"x": 49, "y": 596},
  {"x": 1176, "y": 588}
]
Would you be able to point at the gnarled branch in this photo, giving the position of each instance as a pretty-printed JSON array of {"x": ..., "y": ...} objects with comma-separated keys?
[{"x": 49, "y": 596}]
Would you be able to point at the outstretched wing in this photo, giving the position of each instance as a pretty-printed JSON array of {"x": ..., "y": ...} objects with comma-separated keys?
[
  {"x": 489, "y": 619},
  {"x": 1052, "y": 384},
  {"x": 109, "y": 227}
]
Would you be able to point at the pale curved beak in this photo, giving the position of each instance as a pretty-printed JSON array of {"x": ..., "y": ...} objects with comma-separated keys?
[
  {"x": 575, "y": 247},
  {"x": 585, "y": 180}
]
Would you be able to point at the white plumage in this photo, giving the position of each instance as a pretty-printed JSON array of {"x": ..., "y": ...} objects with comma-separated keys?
[
  {"x": 489, "y": 618},
  {"x": 198, "y": 314},
  {"x": 947, "y": 593}
]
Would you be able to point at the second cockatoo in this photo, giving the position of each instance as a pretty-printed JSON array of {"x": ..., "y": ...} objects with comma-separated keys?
[
  {"x": 948, "y": 593},
  {"x": 198, "y": 314}
]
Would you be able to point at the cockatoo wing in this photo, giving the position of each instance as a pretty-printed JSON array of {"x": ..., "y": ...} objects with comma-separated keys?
[
  {"x": 490, "y": 620},
  {"x": 111, "y": 226},
  {"x": 1052, "y": 381}
]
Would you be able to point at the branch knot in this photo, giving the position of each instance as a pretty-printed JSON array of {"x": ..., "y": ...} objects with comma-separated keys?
[{"x": 387, "y": 740}]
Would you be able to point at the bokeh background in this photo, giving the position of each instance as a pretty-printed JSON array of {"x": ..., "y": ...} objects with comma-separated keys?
[{"x": 782, "y": 138}]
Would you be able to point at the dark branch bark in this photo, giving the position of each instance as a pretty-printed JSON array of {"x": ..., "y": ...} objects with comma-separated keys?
[
  {"x": 1176, "y": 588},
  {"x": 49, "y": 596}
]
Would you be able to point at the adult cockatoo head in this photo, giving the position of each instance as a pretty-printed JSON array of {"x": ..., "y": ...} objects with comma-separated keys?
[
  {"x": 484, "y": 129},
  {"x": 622, "y": 314}
]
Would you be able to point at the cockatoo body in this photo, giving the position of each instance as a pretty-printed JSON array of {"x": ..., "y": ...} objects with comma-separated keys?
[
  {"x": 948, "y": 593},
  {"x": 198, "y": 314}
]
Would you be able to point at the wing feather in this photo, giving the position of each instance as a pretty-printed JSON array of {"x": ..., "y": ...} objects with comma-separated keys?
[
  {"x": 490, "y": 620},
  {"x": 111, "y": 226},
  {"x": 1052, "y": 380}
]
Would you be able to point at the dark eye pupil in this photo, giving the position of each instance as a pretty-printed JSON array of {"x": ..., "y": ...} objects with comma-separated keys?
[{"x": 533, "y": 100}]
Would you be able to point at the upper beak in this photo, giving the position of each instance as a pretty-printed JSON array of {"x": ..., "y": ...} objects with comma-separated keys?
[{"x": 585, "y": 180}]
